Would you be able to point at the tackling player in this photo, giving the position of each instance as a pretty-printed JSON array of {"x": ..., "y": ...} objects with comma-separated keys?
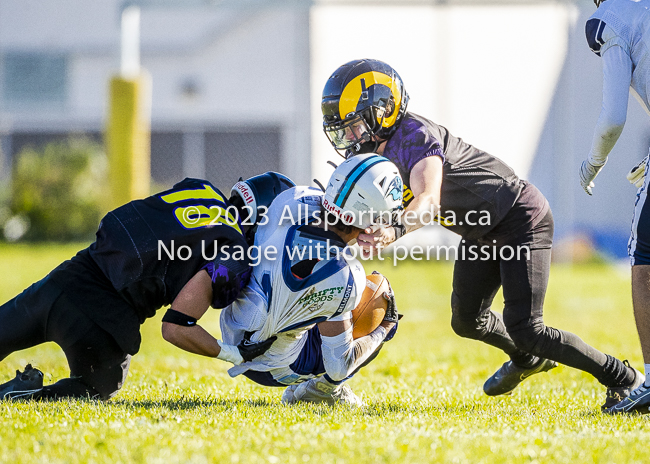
[
  {"x": 146, "y": 255},
  {"x": 364, "y": 109},
  {"x": 305, "y": 286},
  {"x": 619, "y": 32}
]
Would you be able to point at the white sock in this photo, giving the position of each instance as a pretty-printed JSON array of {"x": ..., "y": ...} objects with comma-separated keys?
[{"x": 647, "y": 375}]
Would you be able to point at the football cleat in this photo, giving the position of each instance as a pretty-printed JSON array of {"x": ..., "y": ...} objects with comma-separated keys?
[
  {"x": 510, "y": 375},
  {"x": 319, "y": 390},
  {"x": 637, "y": 402},
  {"x": 24, "y": 384},
  {"x": 629, "y": 398}
]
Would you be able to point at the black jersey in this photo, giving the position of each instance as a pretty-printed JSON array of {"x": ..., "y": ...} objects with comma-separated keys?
[
  {"x": 149, "y": 249},
  {"x": 478, "y": 189}
]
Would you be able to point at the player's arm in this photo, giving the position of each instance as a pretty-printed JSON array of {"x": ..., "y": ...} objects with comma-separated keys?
[
  {"x": 426, "y": 184},
  {"x": 617, "y": 76},
  {"x": 180, "y": 326},
  {"x": 342, "y": 354}
]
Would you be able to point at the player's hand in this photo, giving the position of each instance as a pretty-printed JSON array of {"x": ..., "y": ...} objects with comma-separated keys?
[
  {"x": 588, "y": 173},
  {"x": 391, "y": 310},
  {"x": 251, "y": 350},
  {"x": 376, "y": 237},
  {"x": 636, "y": 176},
  {"x": 391, "y": 317}
]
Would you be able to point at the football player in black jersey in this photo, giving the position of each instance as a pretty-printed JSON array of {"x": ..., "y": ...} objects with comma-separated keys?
[
  {"x": 480, "y": 198},
  {"x": 147, "y": 254}
]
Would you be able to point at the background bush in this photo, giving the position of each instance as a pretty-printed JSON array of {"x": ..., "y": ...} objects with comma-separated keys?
[{"x": 58, "y": 192}]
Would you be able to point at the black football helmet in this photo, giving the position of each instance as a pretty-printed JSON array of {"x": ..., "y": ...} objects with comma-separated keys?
[
  {"x": 253, "y": 196},
  {"x": 362, "y": 99}
]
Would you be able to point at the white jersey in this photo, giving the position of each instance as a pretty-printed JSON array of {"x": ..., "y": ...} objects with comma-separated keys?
[
  {"x": 619, "y": 31},
  {"x": 276, "y": 301}
]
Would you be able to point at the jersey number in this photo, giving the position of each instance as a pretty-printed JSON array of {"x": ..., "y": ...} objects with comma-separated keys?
[{"x": 198, "y": 215}]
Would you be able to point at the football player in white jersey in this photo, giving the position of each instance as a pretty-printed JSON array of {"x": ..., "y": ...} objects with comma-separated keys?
[
  {"x": 304, "y": 286},
  {"x": 619, "y": 32}
]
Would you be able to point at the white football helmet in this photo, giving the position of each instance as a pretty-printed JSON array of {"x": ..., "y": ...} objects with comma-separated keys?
[{"x": 364, "y": 190}]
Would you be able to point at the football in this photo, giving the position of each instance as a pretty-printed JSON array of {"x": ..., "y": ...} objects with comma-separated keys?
[{"x": 371, "y": 310}]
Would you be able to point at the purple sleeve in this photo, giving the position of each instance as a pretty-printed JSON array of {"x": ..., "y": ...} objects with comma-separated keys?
[
  {"x": 411, "y": 144},
  {"x": 229, "y": 277}
]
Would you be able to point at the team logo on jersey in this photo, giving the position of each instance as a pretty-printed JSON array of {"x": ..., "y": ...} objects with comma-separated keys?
[
  {"x": 395, "y": 189},
  {"x": 313, "y": 300}
]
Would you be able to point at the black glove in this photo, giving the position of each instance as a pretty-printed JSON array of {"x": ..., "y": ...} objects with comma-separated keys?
[
  {"x": 391, "y": 311},
  {"x": 251, "y": 350}
]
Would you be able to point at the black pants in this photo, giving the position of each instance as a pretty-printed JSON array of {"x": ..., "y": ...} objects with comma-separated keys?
[
  {"x": 42, "y": 313},
  {"x": 521, "y": 332}
]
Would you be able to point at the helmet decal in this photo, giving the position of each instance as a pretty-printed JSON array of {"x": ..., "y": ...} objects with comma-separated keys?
[
  {"x": 395, "y": 188},
  {"x": 356, "y": 87}
]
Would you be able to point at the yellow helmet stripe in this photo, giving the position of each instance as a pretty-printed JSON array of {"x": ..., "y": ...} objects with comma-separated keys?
[{"x": 352, "y": 93}]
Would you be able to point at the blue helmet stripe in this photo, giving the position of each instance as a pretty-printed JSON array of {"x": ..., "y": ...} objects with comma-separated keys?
[{"x": 354, "y": 176}]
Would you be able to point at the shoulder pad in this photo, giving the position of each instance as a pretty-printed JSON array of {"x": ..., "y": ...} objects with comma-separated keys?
[{"x": 594, "y": 31}]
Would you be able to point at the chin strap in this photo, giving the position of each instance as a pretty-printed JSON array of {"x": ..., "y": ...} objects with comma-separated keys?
[{"x": 362, "y": 148}]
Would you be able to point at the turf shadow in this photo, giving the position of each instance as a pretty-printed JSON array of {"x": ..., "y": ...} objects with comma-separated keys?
[{"x": 188, "y": 403}]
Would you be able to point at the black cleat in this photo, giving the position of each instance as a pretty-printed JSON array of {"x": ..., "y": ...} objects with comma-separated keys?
[
  {"x": 510, "y": 375},
  {"x": 24, "y": 384},
  {"x": 631, "y": 398}
]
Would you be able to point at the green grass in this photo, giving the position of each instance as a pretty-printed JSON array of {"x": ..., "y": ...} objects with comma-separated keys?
[{"x": 425, "y": 402}]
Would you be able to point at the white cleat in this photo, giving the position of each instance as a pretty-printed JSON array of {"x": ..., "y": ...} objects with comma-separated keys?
[{"x": 319, "y": 390}]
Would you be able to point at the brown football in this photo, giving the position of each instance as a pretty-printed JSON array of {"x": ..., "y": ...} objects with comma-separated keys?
[{"x": 371, "y": 310}]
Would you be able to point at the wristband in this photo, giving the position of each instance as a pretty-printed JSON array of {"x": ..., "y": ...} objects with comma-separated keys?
[
  {"x": 229, "y": 353},
  {"x": 400, "y": 230}
]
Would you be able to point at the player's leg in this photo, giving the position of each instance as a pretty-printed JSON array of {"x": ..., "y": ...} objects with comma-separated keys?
[
  {"x": 475, "y": 283},
  {"x": 639, "y": 400},
  {"x": 23, "y": 319},
  {"x": 23, "y": 322},
  {"x": 98, "y": 366},
  {"x": 641, "y": 303},
  {"x": 321, "y": 389},
  {"x": 524, "y": 287},
  {"x": 639, "y": 251}
]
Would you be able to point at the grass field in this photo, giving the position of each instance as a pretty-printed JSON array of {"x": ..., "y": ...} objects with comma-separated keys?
[{"x": 424, "y": 396}]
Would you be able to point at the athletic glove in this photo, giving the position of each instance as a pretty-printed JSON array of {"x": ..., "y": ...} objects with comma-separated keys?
[
  {"x": 588, "y": 173},
  {"x": 391, "y": 315},
  {"x": 251, "y": 350},
  {"x": 245, "y": 351},
  {"x": 636, "y": 176},
  {"x": 391, "y": 310}
]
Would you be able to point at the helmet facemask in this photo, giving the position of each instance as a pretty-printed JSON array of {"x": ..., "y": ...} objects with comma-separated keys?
[
  {"x": 353, "y": 130},
  {"x": 358, "y": 132}
]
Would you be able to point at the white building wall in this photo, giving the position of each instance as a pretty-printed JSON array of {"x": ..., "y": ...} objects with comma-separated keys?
[{"x": 513, "y": 78}]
